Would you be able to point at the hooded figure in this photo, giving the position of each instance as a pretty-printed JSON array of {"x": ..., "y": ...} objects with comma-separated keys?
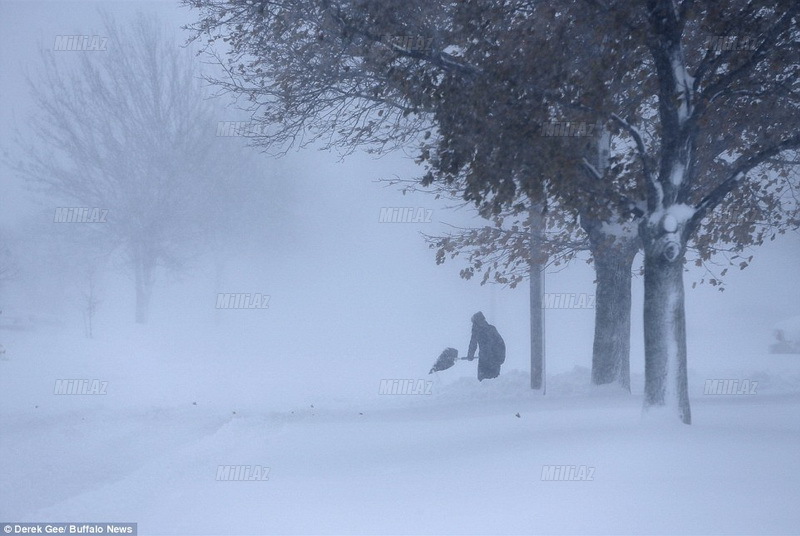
[{"x": 492, "y": 351}]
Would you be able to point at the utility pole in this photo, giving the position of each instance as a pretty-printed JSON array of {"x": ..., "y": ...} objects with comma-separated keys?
[{"x": 537, "y": 267}]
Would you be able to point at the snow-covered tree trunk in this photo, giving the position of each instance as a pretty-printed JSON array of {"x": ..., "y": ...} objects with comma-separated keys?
[
  {"x": 664, "y": 233},
  {"x": 666, "y": 380},
  {"x": 611, "y": 351},
  {"x": 613, "y": 245}
]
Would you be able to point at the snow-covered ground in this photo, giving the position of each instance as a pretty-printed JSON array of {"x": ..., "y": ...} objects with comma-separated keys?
[{"x": 344, "y": 459}]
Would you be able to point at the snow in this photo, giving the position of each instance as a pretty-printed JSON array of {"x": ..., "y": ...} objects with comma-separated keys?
[
  {"x": 684, "y": 86},
  {"x": 677, "y": 176},
  {"x": 681, "y": 212},
  {"x": 296, "y": 389},
  {"x": 346, "y": 460}
]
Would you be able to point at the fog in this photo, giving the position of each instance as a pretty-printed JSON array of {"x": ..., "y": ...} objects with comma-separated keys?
[{"x": 351, "y": 300}]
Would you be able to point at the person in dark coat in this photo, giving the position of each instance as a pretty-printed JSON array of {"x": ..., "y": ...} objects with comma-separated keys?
[{"x": 492, "y": 349}]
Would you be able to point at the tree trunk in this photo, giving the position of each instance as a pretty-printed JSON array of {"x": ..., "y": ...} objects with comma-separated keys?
[
  {"x": 666, "y": 382},
  {"x": 611, "y": 352},
  {"x": 613, "y": 253},
  {"x": 536, "y": 297}
]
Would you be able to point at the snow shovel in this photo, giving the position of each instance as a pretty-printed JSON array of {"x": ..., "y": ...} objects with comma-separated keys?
[{"x": 446, "y": 360}]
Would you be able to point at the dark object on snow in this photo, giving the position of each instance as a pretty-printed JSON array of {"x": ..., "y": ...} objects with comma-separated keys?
[
  {"x": 784, "y": 344},
  {"x": 492, "y": 349},
  {"x": 446, "y": 360}
]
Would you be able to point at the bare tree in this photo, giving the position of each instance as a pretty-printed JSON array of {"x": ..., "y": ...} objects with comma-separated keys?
[{"x": 130, "y": 132}]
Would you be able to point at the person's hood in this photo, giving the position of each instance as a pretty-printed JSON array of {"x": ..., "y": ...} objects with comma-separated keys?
[{"x": 478, "y": 318}]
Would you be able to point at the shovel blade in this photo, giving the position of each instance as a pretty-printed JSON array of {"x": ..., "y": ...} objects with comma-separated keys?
[{"x": 446, "y": 360}]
